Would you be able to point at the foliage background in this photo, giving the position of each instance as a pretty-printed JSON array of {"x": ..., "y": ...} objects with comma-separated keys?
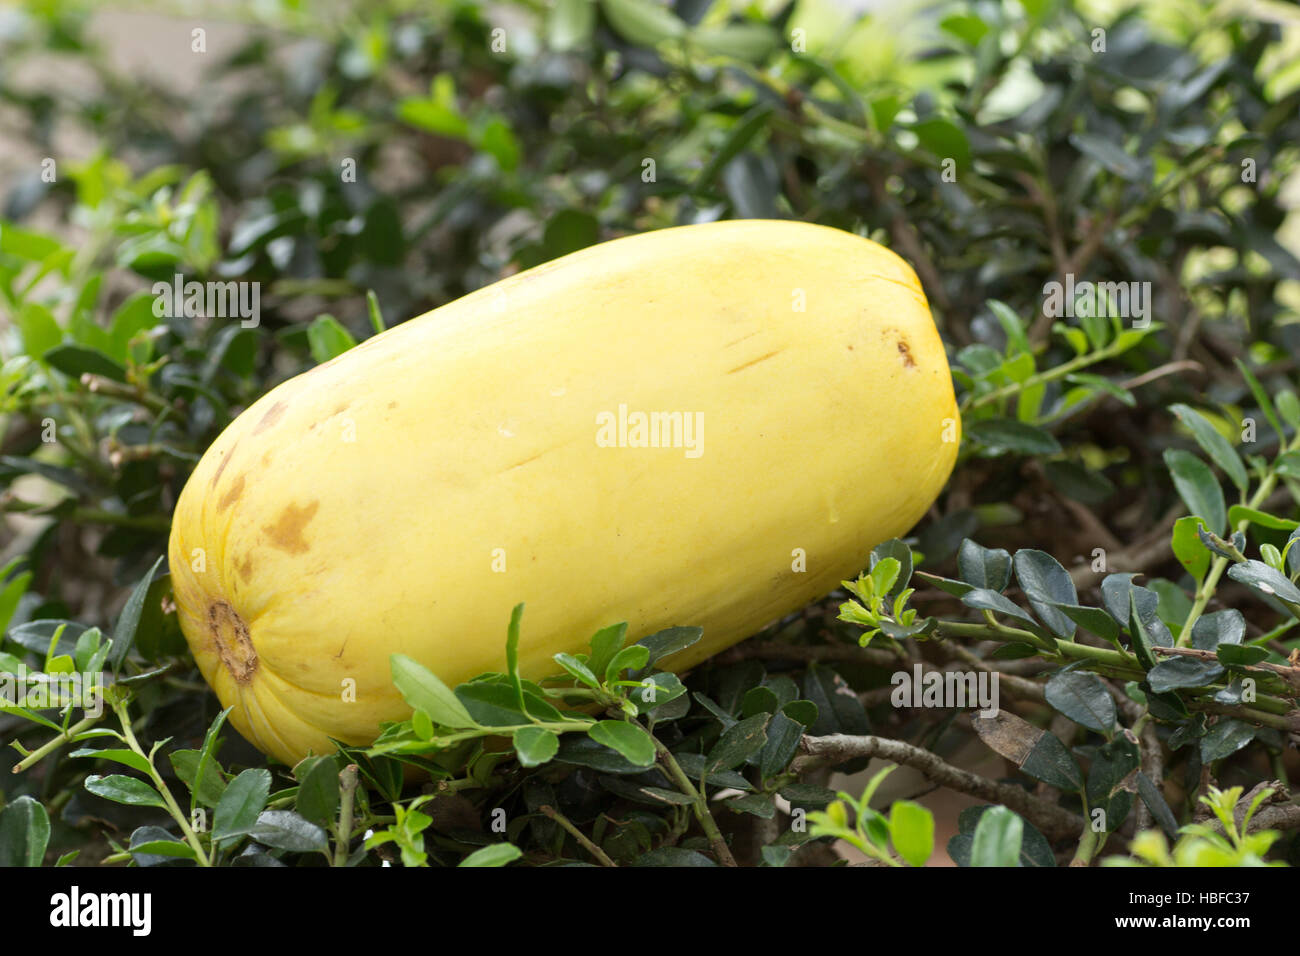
[{"x": 472, "y": 163}]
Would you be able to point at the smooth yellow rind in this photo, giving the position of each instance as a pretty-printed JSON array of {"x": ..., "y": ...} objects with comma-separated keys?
[{"x": 356, "y": 510}]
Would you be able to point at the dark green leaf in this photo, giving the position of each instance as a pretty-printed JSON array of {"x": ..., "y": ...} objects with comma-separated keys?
[
  {"x": 244, "y": 798},
  {"x": 129, "y": 620},
  {"x": 983, "y": 568},
  {"x": 1215, "y": 445},
  {"x": 1225, "y": 738},
  {"x": 286, "y": 830},
  {"x": 1046, "y": 584},
  {"x": 1001, "y": 435},
  {"x": 739, "y": 743},
  {"x": 24, "y": 833},
  {"x": 1082, "y": 696},
  {"x": 1198, "y": 487}
]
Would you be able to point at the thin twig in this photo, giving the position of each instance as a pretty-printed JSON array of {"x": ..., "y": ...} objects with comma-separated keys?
[
  {"x": 601, "y": 856},
  {"x": 1054, "y": 822}
]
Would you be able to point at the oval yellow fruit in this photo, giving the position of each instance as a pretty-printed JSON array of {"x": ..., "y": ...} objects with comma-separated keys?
[{"x": 708, "y": 425}]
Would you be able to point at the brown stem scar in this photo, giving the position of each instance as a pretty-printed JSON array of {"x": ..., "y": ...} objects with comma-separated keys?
[{"x": 234, "y": 645}]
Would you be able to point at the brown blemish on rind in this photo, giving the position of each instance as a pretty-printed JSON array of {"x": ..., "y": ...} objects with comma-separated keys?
[
  {"x": 520, "y": 464},
  {"x": 286, "y": 533},
  {"x": 222, "y": 467},
  {"x": 900, "y": 343},
  {"x": 232, "y": 495},
  {"x": 273, "y": 415},
  {"x": 246, "y": 568},
  {"x": 233, "y": 642},
  {"x": 761, "y": 358}
]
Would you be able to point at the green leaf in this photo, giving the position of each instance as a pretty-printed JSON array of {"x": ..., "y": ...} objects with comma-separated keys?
[
  {"x": 634, "y": 658},
  {"x": 1046, "y": 584},
  {"x": 535, "y": 745},
  {"x": 237, "y": 810},
  {"x": 783, "y": 737},
  {"x": 175, "y": 849},
  {"x": 570, "y": 24},
  {"x": 577, "y": 669},
  {"x": 1034, "y": 848},
  {"x": 1288, "y": 464},
  {"x": 495, "y": 703},
  {"x": 207, "y": 771},
  {"x": 1261, "y": 396},
  {"x": 1143, "y": 638},
  {"x": 1222, "y": 627},
  {"x": 1001, "y": 435},
  {"x": 1082, "y": 696},
  {"x": 986, "y": 600},
  {"x": 749, "y": 42},
  {"x": 1111, "y": 157},
  {"x": 496, "y": 854},
  {"x": 286, "y": 830},
  {"x": 1215, "y": 445},
  {"x": 628, "y": 739},
  {"x": 39, "y": 329},
  {"x": 512, "y": 656},
  {"x": 1188, "y": 549},
  {"x": 1236, "y": 655},
  {"x": 911, "y": 828},
  {"x": 24, "y": 832},
  {"x": 1049, "y": 761},
  {"x": 422, "y": 689},
  {"x": 897, "y": 551},
  {"x": 1225, "y": 738},
  {"x": 1198, "y": 487},
  {"x": 1092, "y": 619},
  {"x": 127, "y": 790},
  {"x": 670, "y": 641},
  {"x": 318, "y": 789},
  {"x": 327, "y": 338},
  {"x": 1012, "y": 326},
  {"x": 739, "y": 137},
  {"x": 839, "y": 711},
  {"x": 1155, "y": 801},
  {"x": 605, "y": 643},
  {"x": 583, "y": 751},
  {"x": 77, "y": 360},
  {"x": 997, "y": 839},
  {"x": 1270, "y": 581},
  {"x": 944, "y": 139},
  {"x": 128, "y": 622},
  {"x": 128, "y": 758},
  {"x": 1239, "y": 513},
  {"x": 1288, "y": 407},
  {"x": 642, "y": 22},
  {"x": 1174, "y": 673},
  {"x": 372, "y": 310},
  {"x": 967, "y": 27},
  {"x": 739, "y": 743}
]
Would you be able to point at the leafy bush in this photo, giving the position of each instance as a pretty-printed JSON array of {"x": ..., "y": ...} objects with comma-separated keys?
[{"x": 1095, "y": 202}]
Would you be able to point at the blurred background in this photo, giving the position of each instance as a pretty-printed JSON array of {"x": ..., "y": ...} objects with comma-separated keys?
[{"x": 418, "y": 151}]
